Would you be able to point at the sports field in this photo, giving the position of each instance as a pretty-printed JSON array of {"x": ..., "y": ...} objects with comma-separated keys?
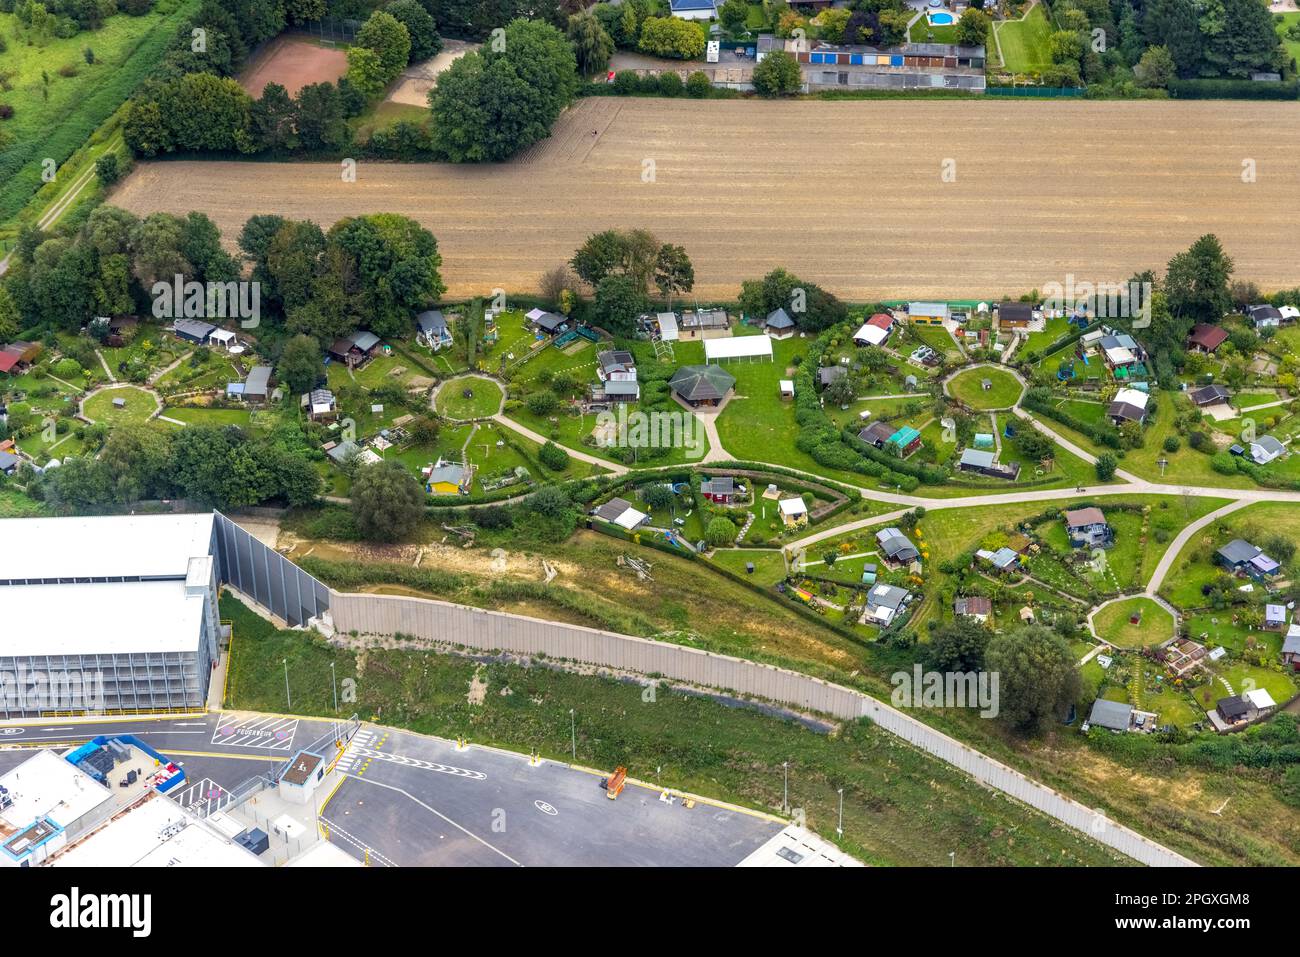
[
  {"x": 293, "y": 63},
  {"x": 848, "y": 194}
]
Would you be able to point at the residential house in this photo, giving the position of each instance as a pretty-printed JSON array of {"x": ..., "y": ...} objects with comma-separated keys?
[
  {"x": 1015, "y": 315},
  {"x": 1206, "y": 338},
  {"x": 1231, "y": 710},
  {"x": 1120, "y": 351},
  {"x": 985, "y": 463},
  {"x": 897, "y": 547},
  {"x": 1129, "y": 405},
  {"x": 1003, "y": 560},
  {"x": 704, "y": 324},
  {"x": 1209, "y": 395},
  {"x": 828, "y": 374},
  {"x": 447, "y": 478},
  {"x": 794, "y": 511},
  {"x": 927, "y": 313},
  {"x": 1087, "y": 528},
  {"x": 1259, "y": 703},
  {"x": 616, "y": 364},
  {"x": 877, "y": 434},
  {"x": 619, "y": 511},
  {"x": 1291, "y": 647},
  {"x": 193, "y": 330},
  {"x": 320, "y": 405},
  {"x": 356, "y": 349},
  {"x": 904, "y": 442},
  {"x": 884, "y": 604},
  {"x": 1274, "y": 617},
  {"x": 549, "y": 323},
  {"x": 1241, "y": 557},
  {"x": 614, "y": 391},
  {"x": 257, "y": 387},
  {"x": 778, "y": 324},
  {"x": 1111, "y": 715},
  {"x": 719, "y": 489},
  {"x": 433, "y": 329},
  {"x": 702, "y": 386},
  {"x": 1264, "y": 316},
  {"x": 694, "y": 9},
  {"x": 1265, "y": 449},
  {"x": 875, "y": 331},
  {"x": 974, "y": 606}
]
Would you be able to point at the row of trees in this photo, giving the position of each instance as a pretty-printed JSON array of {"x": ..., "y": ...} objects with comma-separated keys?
[
  {"x": 376, "y": 271},
  {"x": 224, "y": 467}
]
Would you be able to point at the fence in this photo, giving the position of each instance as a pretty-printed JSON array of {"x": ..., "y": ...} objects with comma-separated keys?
[
  {"x": 1067, "y": 91},
  {"x": 266, "y": 576},
  {"x": 491, "y": 630}
]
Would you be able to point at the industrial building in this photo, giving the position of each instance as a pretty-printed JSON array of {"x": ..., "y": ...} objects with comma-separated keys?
[{"x": 119, "y": 613}]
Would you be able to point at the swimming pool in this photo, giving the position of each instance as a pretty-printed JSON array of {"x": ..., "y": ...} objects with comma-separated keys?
[{"x": 941, "y": 19}]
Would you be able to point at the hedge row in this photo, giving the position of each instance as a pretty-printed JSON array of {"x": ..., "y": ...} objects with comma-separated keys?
[
  {"x": 1233, "y": 90},
  {"x": 1038, "y": 400}
]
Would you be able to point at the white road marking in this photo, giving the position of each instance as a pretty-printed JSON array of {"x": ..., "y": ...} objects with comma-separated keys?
[{"x": 417, "y": 763}]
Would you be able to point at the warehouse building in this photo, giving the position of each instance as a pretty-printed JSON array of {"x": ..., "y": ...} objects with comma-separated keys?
[
  {"x": 119, "y": 612},
  {"x": 107, "y": 613}
]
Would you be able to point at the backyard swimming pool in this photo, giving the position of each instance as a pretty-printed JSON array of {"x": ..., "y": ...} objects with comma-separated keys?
[{"x": 941, "y": 19}]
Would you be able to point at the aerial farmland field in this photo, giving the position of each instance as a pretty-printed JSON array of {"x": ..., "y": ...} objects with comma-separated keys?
[{"x": 1041, "y": 189}]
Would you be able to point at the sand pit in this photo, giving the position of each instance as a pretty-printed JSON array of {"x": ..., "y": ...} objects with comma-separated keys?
[{"x": 417, "y": 80}]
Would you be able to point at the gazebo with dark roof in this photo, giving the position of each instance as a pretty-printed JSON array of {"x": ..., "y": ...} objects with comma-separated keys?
[{"x": 705, "y": 385}]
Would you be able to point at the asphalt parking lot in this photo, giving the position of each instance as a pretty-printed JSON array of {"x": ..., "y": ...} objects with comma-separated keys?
[{"x": 413, "y": 801}]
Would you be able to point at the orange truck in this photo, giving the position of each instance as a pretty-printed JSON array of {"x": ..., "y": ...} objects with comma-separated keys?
[{"x": 614, "y": 786}]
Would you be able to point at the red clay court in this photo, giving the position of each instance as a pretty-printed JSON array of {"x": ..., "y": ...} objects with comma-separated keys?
[{"x": 293, "y": 64}]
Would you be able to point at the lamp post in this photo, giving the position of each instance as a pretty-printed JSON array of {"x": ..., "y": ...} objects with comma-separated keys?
[
  {"x": 573, "y": 734},
  {"x": 839, "y": 829},
  {"x": 335, "y": 684},
  {"x": 785, "y": 799},
  {"x": 287, "y": 699}
]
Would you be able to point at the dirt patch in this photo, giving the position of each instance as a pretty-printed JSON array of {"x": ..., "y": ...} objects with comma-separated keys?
[
  {"x": 477, "y": 688},
  {"x": 293, "y": 64},
  {"x": 417, "y": 80},
  {"x": 1013, "y": 219}
]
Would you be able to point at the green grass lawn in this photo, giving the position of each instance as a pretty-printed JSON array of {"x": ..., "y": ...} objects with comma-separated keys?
[
  {"x": 925, "y": 32},
  {"x": 1112, "y": 623},
  {"x": 1244, "y": 677},
  {"x": 14, "y": 504},
  {"x": 1194, "y": 565},
  {"x": 195, "y": 415},
  {"x": 140, "y": 405},
  {"x": 54, "y": 119},
  {"x": 484, "y": 399},
  {"x": 1004, "y": 393},
  {"x": 1053, "y": 329},
  {"x": 1025, "y": 43}
]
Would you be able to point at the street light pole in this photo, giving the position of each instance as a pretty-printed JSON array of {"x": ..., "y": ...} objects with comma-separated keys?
[
  {"x": 287, "y": 699},
  {"x": 839, "y": 830},
  {"x": 334, "y": 682},
  {"x": 573, "y": 734},
  {"x": 785, "y": 799}
]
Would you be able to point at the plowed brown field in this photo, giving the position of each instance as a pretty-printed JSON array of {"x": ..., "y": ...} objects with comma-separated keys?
[{"x": 848, "y": 194}]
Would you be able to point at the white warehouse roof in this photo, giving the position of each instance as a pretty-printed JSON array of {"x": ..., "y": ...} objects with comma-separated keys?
[
  {"x": 737, "y": 347},
  {"x": 45, "y": 785},
  {"x": 157, "y": 833},
  {"x": 100, "y": 618},
  {"x": 148, "y": 546}
]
